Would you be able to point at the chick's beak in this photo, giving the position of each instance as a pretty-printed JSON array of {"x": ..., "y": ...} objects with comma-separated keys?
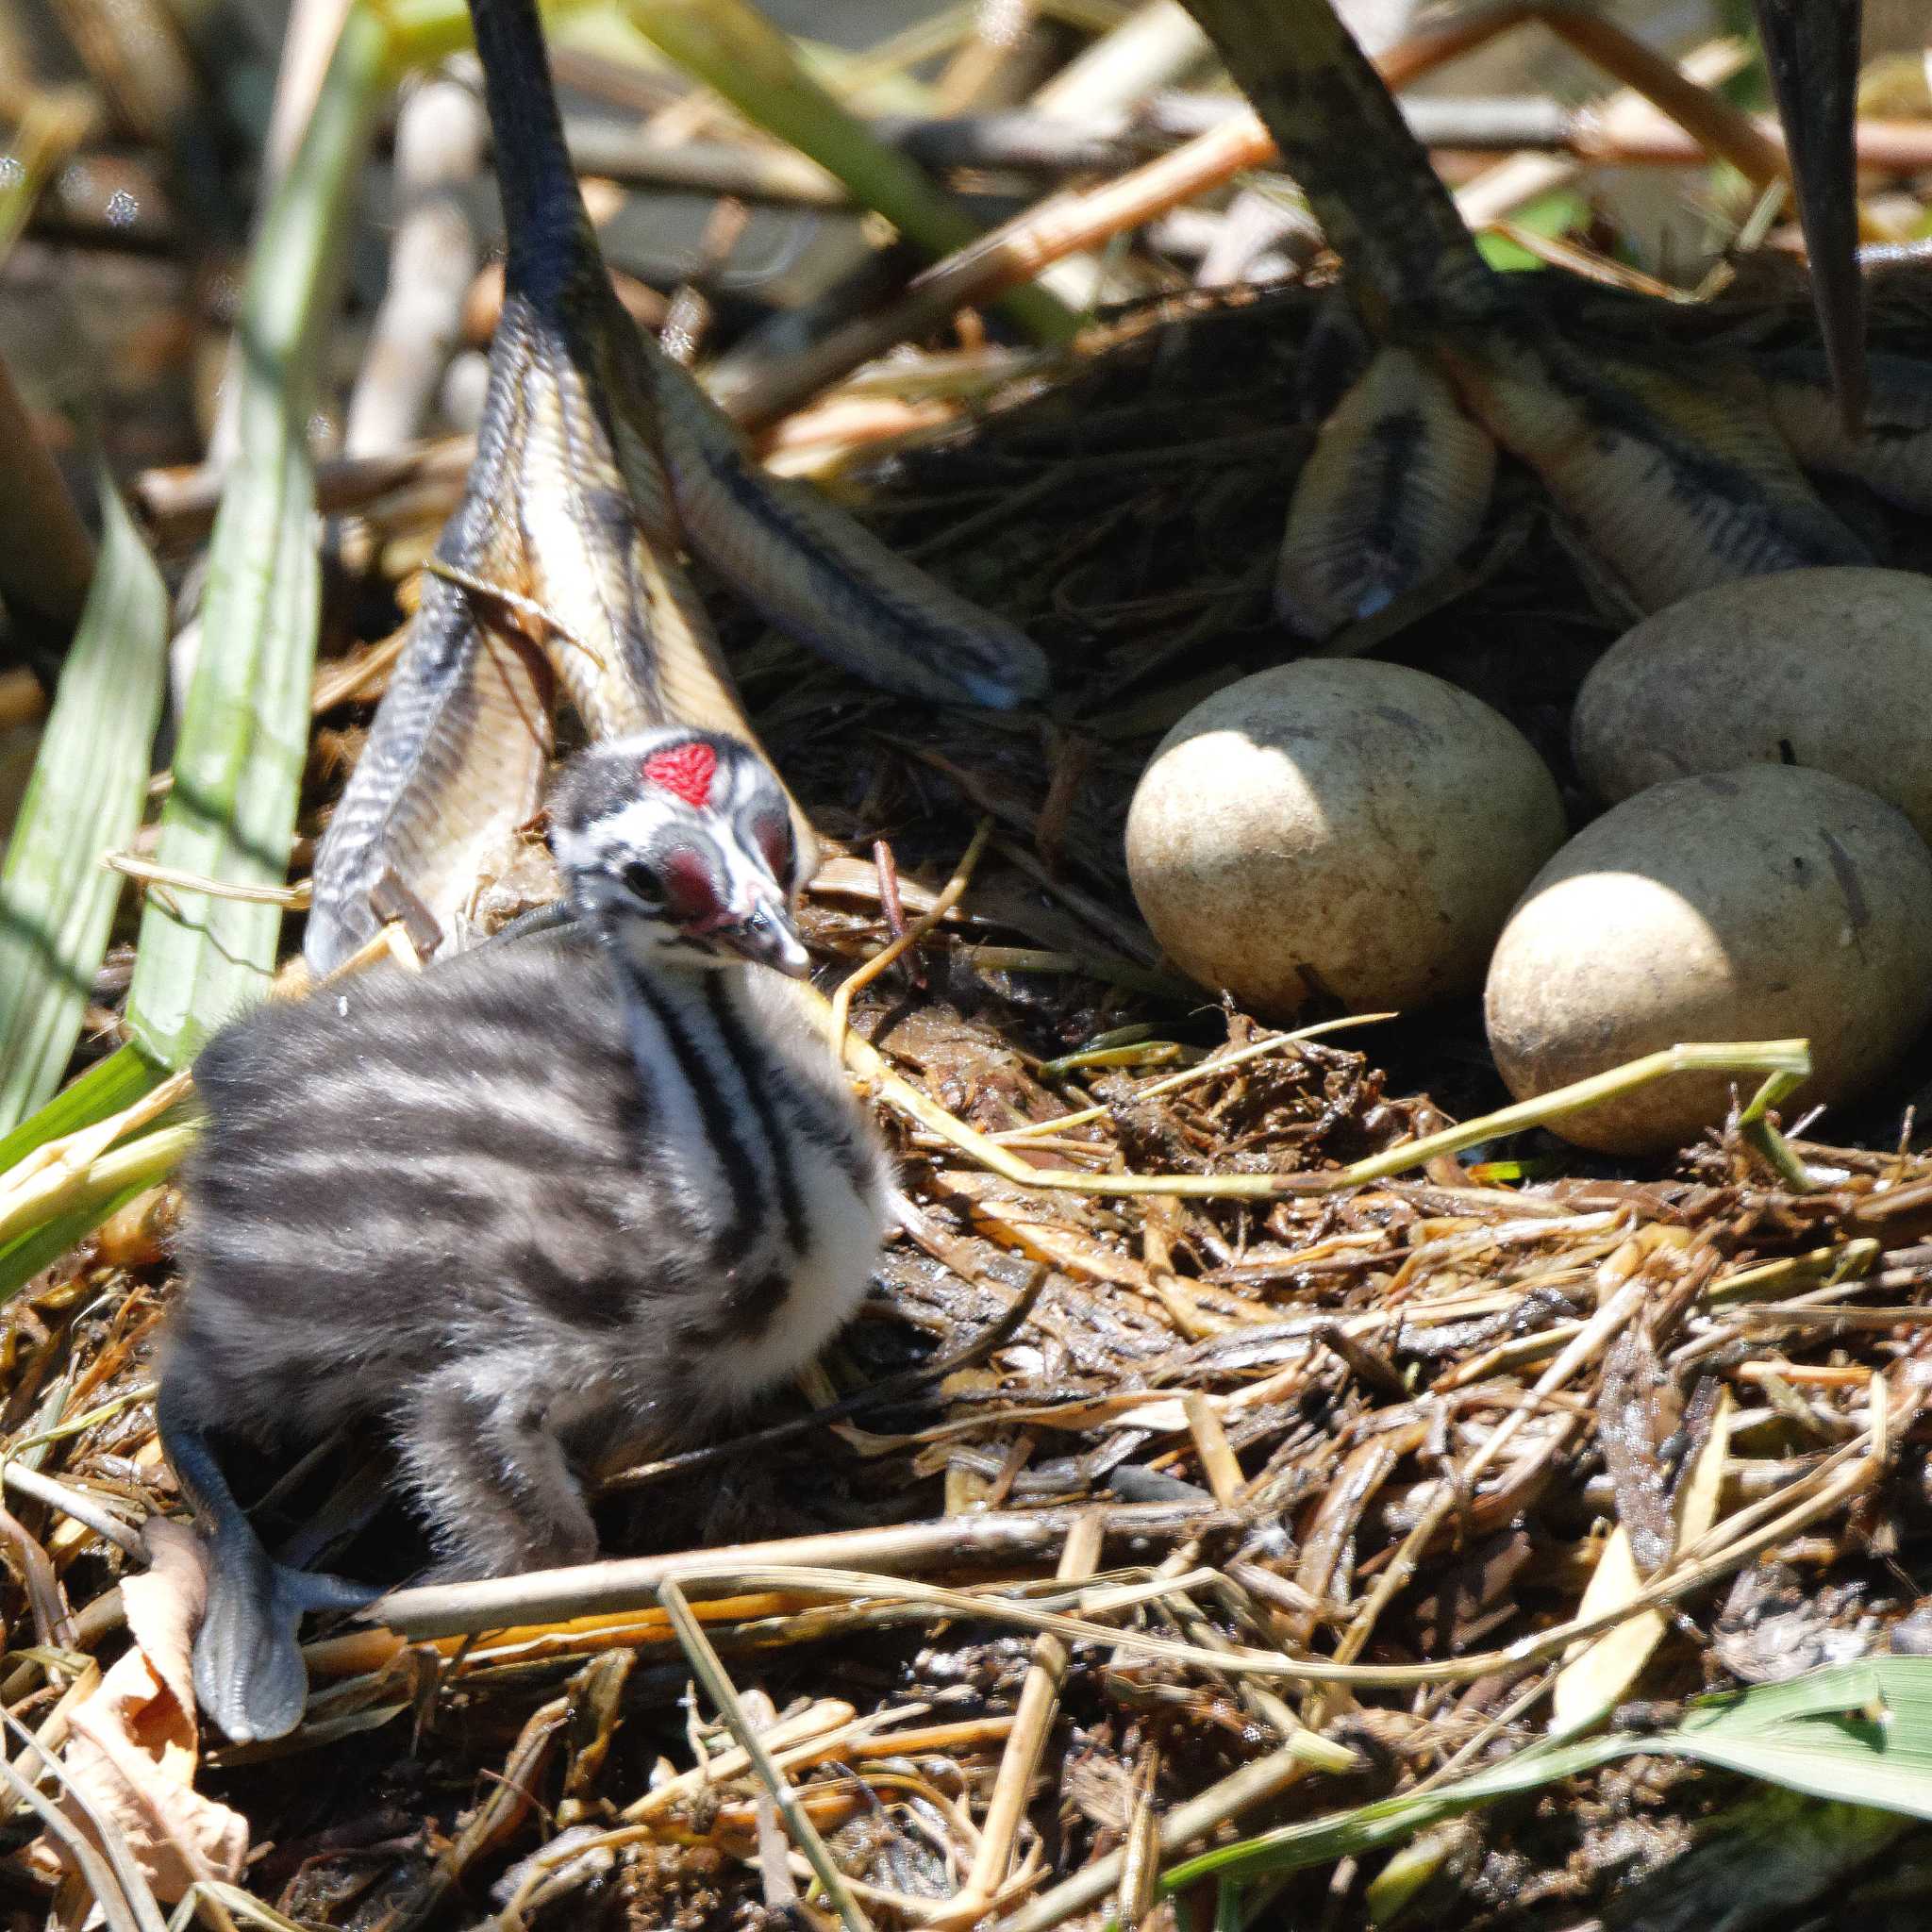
[{"x": 767, "y": 937}]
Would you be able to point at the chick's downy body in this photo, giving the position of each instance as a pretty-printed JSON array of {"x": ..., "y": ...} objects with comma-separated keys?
[
  {"x": 527, "y": 1205},
  {"x": 511, "y": 1209}
]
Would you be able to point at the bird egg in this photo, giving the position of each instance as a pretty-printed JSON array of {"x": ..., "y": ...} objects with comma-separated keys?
[
  {"x": 1338, "y": 827},
  {"x": 1767, "y": 901}
]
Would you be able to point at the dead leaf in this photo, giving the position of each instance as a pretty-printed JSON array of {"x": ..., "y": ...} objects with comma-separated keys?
[
  {"x": 1598, "y": 1672},
  {"x": 135, "y": 1739}
]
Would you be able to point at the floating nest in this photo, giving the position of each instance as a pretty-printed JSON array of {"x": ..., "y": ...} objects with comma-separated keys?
[{"x": 1330, "y": 1485}]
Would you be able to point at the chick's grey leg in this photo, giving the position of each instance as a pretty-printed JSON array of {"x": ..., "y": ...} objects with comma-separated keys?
[
  {"x": 248, "y": 1670},
  {"x": 481, "y": 1444}
]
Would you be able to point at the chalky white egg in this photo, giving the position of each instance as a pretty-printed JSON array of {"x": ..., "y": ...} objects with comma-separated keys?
[
  {"x": 1826, "y": 668},
  {"x": 1340, "y": 826},
  {"x": 1764, "y": 903}
]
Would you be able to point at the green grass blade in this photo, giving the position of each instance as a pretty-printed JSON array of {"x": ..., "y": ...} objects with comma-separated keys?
[
  {"x": 1860, "y": 1734},
  {"x": 732, "y": 48},
  {"x": 244, "y": 730},
  {"x": 85, "y": 798},
  {"x": 1857, "y": 1733},
  {"x": 107, "y": 1088},
  {"x": 22, "y": 1259},
  {"x": 140, "y": 1162},
  {"x": 243, "y": 738},
  {"x": 245, "y": 733}
]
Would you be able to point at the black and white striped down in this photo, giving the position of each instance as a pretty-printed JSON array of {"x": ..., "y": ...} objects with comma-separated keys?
[{"x": 513, "y": 1207}]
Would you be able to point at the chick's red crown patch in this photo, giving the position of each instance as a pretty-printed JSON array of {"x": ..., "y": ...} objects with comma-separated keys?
[{"x": 684, "y": 771}]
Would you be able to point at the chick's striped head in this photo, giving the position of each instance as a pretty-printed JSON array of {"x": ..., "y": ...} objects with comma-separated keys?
[{"x": 685, "y": 839}]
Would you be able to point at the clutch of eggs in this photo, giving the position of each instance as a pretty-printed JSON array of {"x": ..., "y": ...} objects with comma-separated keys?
[{"x": 1367, "y": 833}]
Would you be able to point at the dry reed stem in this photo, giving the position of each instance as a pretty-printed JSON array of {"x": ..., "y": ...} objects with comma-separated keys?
[
  {"x": 86, "y": 1168},
  {"x": 1069, "y": 223},
  {"x": 1588, "y": 1346},
  {"x": 452, "y": 1609},
  {"x": 724, "y": 1693},
  {"x": 885, "y": 1597},
  {"x": 55, "y": 1191},
  {"x": 1718, "y": 127},
  {"x": 644, "y": 1821},
  {"x": 54, "y": 1728},
  {"x": 825, "y": 1727},
  {"x": 69, "y": 1157},
  {"x": 1252, "y": 1784},
  {"x": 1218, "y": 1463},
  {"x": 337, "y": 684},
  {"x": 1314, "y": 1750},
  {"x": 71, "y": 1501},
  {"x": 1033, "y": 1719},
  {"x": 1140, "y": 1854},
  {"x": 1846, "y": 1474},
  {"x": 108, "y": 1898},
  {"x": 127, "y": 1887},
  {"x": 508, "y": 1800},
  {"x": 432, "y": 256},
  {"x": 291, "y": 898},
  {"x": 51, "y": 1625}
]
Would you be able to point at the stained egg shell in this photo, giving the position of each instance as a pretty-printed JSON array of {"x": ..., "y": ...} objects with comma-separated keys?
[
  {"x": 1338, "y": 827},
  {"x": 1764, "y": 903},
  {"x": 1827, "y": 668}
]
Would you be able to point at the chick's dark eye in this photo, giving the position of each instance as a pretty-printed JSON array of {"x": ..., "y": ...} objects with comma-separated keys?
[{"x": 642, "y": 880}]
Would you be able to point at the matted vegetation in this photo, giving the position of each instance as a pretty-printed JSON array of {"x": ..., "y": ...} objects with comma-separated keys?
[{"x": 1248, "y": 1494}]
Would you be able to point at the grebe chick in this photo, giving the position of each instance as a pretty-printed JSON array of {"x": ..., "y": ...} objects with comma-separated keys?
[{"x": 514, "y": 1205}]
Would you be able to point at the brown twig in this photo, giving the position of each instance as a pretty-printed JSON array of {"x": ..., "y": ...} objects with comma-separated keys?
[
  {"x": 889, "y": 899},
  {"x": 1032, "y": 1719},
  {"x": 452, "y": 1609},
  {"x": 718, "y": 1683}
]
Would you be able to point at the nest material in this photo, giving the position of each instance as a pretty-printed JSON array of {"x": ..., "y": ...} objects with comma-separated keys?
[{"x": 1394, "y": 1429}]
